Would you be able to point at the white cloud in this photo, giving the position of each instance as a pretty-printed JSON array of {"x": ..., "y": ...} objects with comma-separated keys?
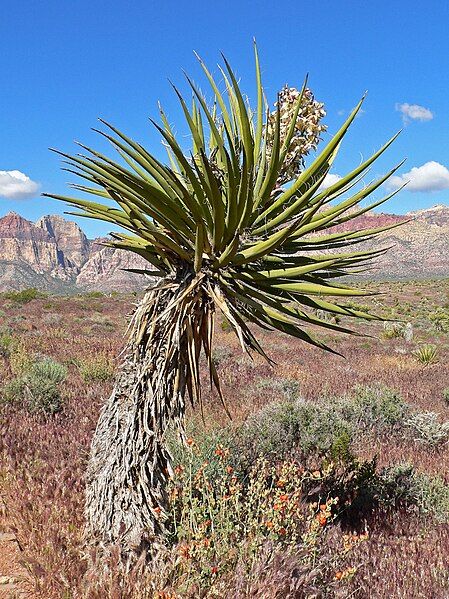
[
  {"x": 329, "y": 180},
  {"x": 414, "y": 112},
  {"x": 431, "y": 176},
  {"x": 14, "y": 185}
]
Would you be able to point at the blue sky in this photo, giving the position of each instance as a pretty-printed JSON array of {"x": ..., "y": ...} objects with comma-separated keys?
[{"x": 66, "y": 63}]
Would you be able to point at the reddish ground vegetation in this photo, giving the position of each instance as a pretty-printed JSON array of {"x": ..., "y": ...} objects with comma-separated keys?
[{"x": 43, "y": 458}]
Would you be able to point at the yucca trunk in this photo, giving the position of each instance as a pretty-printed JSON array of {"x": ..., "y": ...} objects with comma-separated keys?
[{"x": 129, "y": 462}]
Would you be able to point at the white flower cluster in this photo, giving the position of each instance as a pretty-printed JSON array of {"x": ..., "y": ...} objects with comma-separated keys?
[{"x": 307, "y": 129}]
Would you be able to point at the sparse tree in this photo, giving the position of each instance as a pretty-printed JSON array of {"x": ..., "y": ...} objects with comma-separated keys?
[{"x": 239, "y": 226}]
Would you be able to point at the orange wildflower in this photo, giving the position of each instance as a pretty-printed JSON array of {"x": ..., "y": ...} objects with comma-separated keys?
[
  {"x": 184, "y": 550},
  {"x": 339, "y": 575},
  {"x": 190, "y": 441},
  {"x": 269, "y": 524},
  {"x": 283, "y": 497},
  {"x": 322, "y": 519}
]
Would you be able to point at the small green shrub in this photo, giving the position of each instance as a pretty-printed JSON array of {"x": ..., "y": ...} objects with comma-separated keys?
[
  {"x": 7, "y": 343},
  {"x": 432, "y": 496},
  {"x": 427, "y": 429},
  {"x": 96, "y": 369},
  {"x": 37, "y": 386},
  {"x": 221, "y": 354},
  {"x": 373, "y": 408},
  {"x": 446, "y": 396},
  {"x": 396, "y": 330},
  {"x": 13, "y": 391},
  {"x": 93, "y": 294},
  {"x": 42, "y": 386},
  {"x": 397, "y": 486},
  {"x": 426, "y": 354},
  {"x": 440, "y": 320},
  {"x": 291, "y": 425},
  {"x": 225, "y": 326},
  {"x": 24, "y": 296}
]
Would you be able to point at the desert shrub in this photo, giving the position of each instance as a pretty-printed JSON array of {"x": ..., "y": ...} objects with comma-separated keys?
[
  {"x": 221, "y": 524},
  {"x": 37, "y": 386},
  {"x": 220, "y": 354},
  {"x": 13, "y": 391},
  {"x": 96, "y": 369},
  {"x": 373, "y": 407},
  {"x": 446, "y": 396},
  {"x": 287, "y": 388},
  {"x": 397, "y": 486},
  {"x": 395, "y": 330},
  {"x": 52, "y": 318},
  {"x": 323, "y": 315},
  {"x": 42, "y": 386},
  {"x": 432, "y": 496},
  {"x": 426, "y": 428},
  {"x": 225, "y": 326},
  {"x": 401, "y": 485},
  {"x": 20, "y": 359},
  {"x": 93, "y": 294},
  {"x": 24, "y": 296},
  {"x": 440, "y": 320},
  {"x": 100, "y": 320},
  {"x": 281, "y": 427},
  {"x": 7, "y": 343},
  {"x": 426, "y": 354}
]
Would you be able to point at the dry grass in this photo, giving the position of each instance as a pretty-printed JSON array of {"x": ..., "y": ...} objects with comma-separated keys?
[{"x": 43, "y": 459}]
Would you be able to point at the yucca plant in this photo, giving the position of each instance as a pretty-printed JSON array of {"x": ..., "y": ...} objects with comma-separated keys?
[
  {"x": 237, "y": 225},
  {"x": 426, "y": 354}
]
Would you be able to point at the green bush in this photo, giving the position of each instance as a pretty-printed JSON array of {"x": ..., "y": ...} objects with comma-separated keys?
[
  {"x": 395, "y": 330},
  {"x": 440, "y": 320},
  {"x": 426, "y": 428},
  {"x": 307, "y": 430},
  {"x": 372, "y": 408},
  {"x": 42, "y": 386},
  {"x": 426, "y": 354},
  {"x": 13, "y": 391},
  {"x": 37, "y": 386},
  {"x": 24, "y": 296},
  {"x": 93, "y": 294},
  {"x": 7, "y": 343},
  {"x": 221, "y": 354},
  {"x": 432, "y": 496},
  {"x": 96, "y": 369},
  {"x": 446, "y": 396},
  {"x": 397, "y": 486}
]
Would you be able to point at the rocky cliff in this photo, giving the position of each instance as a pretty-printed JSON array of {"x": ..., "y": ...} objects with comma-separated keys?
[{"x": 54, "y": 253}]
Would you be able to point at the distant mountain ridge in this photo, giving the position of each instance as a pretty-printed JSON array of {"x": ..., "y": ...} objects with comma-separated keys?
[{"x": 54, "y": 254}]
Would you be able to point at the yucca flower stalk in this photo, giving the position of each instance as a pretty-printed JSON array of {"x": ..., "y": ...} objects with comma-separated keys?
[{"x": 221, "y": 233}]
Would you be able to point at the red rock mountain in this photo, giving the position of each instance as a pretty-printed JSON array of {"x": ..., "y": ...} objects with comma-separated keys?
[{"x": 54, "y": 254}]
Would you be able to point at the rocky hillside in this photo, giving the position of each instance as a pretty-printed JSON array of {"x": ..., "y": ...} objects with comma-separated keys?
[
  {"x": 55, "y": 255},
  {"x": 419, "y": 248}
]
